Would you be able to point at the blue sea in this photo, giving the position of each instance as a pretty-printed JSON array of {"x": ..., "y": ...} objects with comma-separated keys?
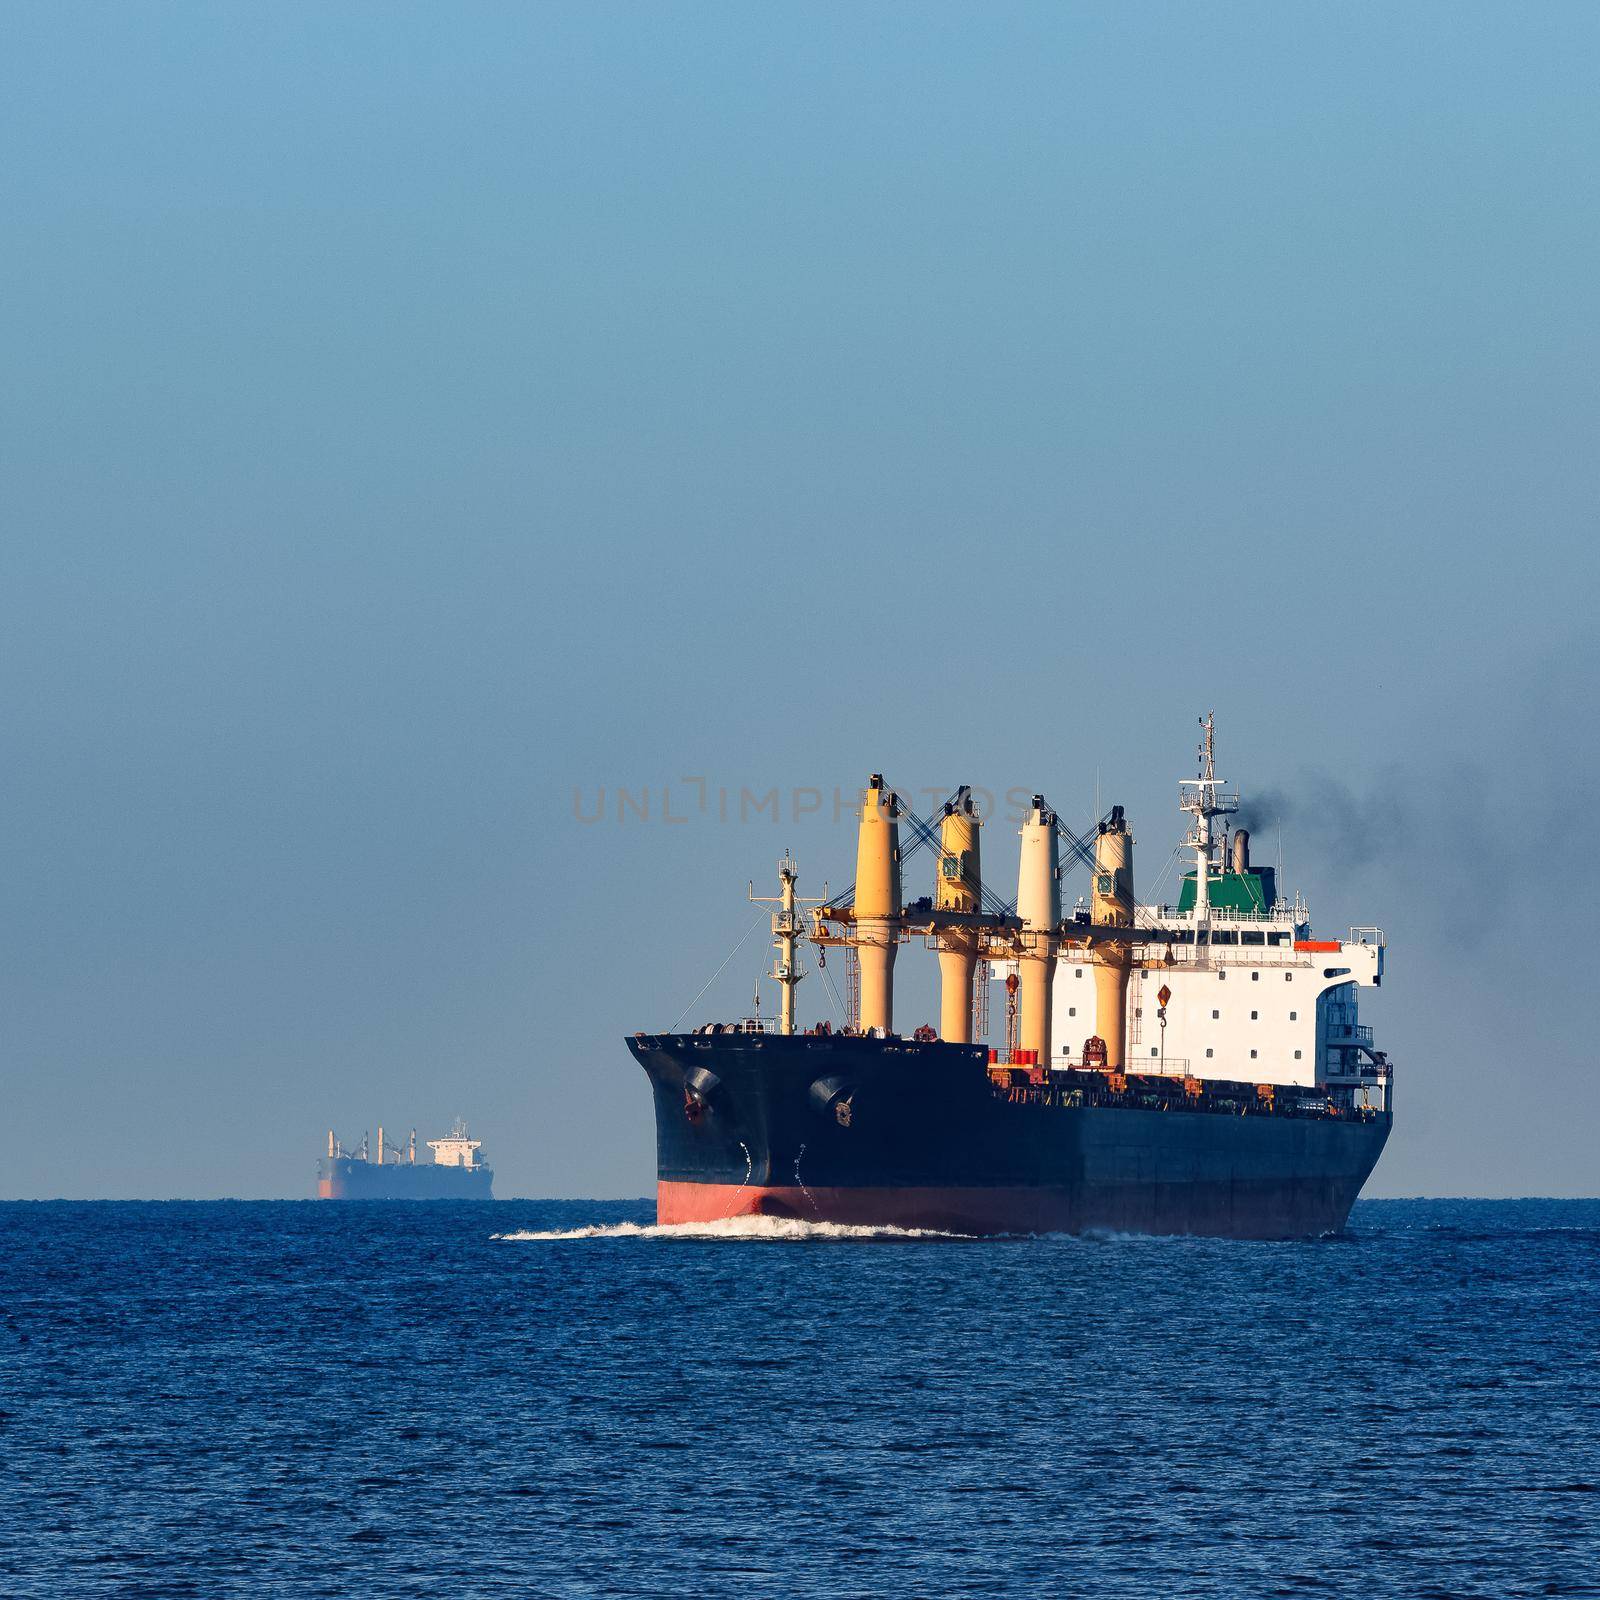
[{"x": 555, "y": 1398}]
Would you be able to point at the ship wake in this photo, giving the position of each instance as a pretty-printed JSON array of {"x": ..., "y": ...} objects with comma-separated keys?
[{"x": 788, "y": 1230}]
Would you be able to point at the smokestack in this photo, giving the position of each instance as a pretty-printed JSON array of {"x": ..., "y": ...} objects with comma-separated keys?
[
  {"x": 1039, "y": 907},
  {"x": 878, "y": 902},
  {"x": 1112, "y": 906},
  {"x": 957, "y": 888},
  {"x": 1241, "y": 850},
  {"x": 380, "y": 1144},
  {"x": 330, "y": 1144}
]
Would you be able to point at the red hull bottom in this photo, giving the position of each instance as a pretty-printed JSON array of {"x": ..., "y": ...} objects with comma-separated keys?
[{"x": 1227, "y": 1210}]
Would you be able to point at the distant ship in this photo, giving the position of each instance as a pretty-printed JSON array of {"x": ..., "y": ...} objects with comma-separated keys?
[
  {"x": 458, "y": 1170},
  {"x": 1193, "y": 1068}
]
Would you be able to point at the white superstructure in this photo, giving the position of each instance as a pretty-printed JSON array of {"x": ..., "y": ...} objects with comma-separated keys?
[
  {"x": 457, "y": 1150},
  {"x": 1251, "y": 998},
  {"x": 1240, "y": 988}
]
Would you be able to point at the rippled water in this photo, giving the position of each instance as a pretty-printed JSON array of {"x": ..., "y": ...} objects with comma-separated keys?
[{"x": 560, "y": 1399}]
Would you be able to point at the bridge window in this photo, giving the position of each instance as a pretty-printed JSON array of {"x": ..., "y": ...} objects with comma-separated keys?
[{"x": 1274, "y": 938}]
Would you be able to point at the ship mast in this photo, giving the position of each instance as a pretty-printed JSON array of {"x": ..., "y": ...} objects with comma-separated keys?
[
  {"x": 1204, "y": 798},
  {"x": 786, "y": 969}
]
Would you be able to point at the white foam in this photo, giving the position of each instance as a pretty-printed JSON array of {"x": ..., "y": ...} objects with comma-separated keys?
[{"x": 783, "y": 1229}]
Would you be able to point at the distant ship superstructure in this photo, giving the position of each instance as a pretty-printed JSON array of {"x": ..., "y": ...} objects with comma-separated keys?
[
  {"x": 1196, "y": 1068},
  {"x": 457, "y": 1171}
]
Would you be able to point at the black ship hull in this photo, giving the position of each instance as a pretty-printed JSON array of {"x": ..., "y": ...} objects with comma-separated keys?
[{"x": 898, "y": 1132}]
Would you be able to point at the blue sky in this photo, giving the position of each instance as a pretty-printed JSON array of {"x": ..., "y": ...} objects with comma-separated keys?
[{"x": 413, "y": 416}]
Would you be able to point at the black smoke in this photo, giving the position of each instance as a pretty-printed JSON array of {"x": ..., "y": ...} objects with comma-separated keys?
[
  {"x": 1337, "y": 825},
  {"x": 1431, "y": 839}
]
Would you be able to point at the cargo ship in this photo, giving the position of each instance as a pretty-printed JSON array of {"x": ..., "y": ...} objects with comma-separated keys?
[
  {"x": 1192, "y": 1068},
  {"x": 458, "y": 1170}
]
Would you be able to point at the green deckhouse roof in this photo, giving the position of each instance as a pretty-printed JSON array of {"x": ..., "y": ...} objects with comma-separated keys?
[{"x": 1256, "y": 890}]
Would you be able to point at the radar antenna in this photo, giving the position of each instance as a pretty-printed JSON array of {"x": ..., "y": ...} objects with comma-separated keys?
[{"x": 1205, "y": 797}]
